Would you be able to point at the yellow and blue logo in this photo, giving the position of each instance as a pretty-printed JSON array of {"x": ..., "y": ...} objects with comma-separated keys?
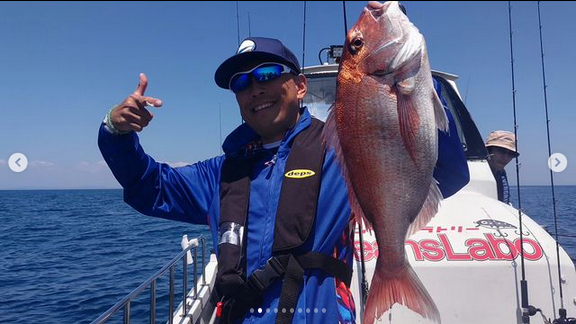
[{"x": 299, "y": 174}]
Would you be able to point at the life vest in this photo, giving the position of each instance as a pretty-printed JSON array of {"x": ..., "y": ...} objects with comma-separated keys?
[{"x": 236, "y": 293}]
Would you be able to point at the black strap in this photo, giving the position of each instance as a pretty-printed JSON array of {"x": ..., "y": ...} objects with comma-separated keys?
[
  {"x": 292, "y": 268},
  {"x": 294, "y": 280}
]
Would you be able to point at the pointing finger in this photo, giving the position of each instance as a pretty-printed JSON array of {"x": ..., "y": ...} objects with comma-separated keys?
[
  {"x": 142, "y": 85},
  {"x": 146, "y": 101},
  {"x": 149, "y": 101}
]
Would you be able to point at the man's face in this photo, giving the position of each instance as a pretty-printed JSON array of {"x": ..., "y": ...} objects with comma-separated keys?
[
  {"x": 271, "y": 107},
  {"x": 499, "y": 157}
]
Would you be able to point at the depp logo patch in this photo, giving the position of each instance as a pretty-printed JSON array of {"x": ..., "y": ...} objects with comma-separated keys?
[{"x": 299, "y": 174}]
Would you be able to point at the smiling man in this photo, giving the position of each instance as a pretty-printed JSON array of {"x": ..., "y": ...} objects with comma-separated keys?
[{"x": 276, "y": 202}]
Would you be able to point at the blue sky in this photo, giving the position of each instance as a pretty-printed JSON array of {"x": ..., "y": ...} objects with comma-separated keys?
[{"x": 63, "y": 64}]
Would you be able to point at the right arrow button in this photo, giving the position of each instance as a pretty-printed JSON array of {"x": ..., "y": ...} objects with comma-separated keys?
[{"x": 557, "y": 162}]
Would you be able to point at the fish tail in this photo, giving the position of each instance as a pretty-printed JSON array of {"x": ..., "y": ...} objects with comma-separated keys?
[{"x": 403, "y": 287}]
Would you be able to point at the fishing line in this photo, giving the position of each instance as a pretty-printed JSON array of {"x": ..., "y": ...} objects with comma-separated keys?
[
  {"x": 562, "y": 310},
  {"x": 249, "y": 27},
  {"x": 523, "y": 282}
]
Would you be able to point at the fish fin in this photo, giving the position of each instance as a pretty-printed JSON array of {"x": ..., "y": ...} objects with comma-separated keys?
[
  {"x": 401, "y": 286},
  {"x": 330, "y": 137},
  {"x": 439, "y": 113},
  {"x": 429, "y": 209},
  {"x": 408, "y": 117}
]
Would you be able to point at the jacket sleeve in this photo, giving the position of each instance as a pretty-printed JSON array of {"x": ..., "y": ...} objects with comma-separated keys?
[
  {"x": 451, "y": 170},
  {"x": 157, "y": 189}
]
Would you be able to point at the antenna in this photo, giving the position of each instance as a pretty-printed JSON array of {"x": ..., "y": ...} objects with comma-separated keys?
[
  {"x": 526, "y": 313},
  {"x": 237, "y": 24},
  {"x": 304, "y": 37},
  {"x": 562, "y": 310}
]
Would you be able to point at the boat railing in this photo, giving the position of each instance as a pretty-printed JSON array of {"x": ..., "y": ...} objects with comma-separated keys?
[{"x": 185, "y": 256}]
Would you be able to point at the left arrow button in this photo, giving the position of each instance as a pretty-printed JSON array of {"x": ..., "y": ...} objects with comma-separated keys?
[{"x": 18, "y": 162}]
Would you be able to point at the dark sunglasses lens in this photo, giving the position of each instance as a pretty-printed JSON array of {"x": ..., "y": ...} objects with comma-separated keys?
[
  {"x": 239, "y": 83},
  {"x": 267, "y": 73}
]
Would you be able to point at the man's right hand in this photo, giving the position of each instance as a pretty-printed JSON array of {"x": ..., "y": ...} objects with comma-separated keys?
[{"x": 132, "y": 114}]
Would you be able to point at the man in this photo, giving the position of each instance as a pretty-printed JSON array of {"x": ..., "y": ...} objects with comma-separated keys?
[
  {"x": 501, "y": 147},
  {"x": 284, "y": 240}
]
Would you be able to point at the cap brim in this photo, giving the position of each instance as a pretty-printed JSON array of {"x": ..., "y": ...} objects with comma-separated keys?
[
  {"x": 233, "y": 65},
  {"x": 504, "y": 147}
]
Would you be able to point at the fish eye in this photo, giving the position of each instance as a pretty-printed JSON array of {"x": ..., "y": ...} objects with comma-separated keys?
[{"x": 356, "y": 44}]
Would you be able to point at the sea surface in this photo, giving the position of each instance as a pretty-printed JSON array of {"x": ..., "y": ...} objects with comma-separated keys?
[{"x": 69, "y": 255}]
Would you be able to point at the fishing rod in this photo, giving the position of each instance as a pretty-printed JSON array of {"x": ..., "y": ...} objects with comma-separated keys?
[
  {"x": 527, "y": 310},
  {"x": 345, "y": 19},
  {"x": 562, "y": 310}
]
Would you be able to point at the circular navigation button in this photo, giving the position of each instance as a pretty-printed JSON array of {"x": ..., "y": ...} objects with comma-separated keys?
[
  {"x": 557, "y": 162},
  {"x": 18, "y": 162}
]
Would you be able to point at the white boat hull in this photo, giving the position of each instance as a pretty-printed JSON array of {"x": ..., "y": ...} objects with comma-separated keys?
[{"x": 468, "y": 258}]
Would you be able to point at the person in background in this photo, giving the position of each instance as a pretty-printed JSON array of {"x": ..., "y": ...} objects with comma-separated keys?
[
  {"x": 275, "y": 201},
  {"x": 501, "y": 147}
]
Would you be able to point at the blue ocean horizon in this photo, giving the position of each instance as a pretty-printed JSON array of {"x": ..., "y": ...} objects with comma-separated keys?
[{"x": 69, "y": 255}]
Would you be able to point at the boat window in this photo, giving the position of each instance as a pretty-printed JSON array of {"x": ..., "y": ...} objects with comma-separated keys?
[
  {"x": 321, "y": 94},
  {"x": 470, "y": 137}
]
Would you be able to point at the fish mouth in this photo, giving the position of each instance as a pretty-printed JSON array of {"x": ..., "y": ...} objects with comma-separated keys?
[
  {"x": 406, "y": 43},
  {"x": 376, "y": 8},
  {"x": 378, "y": 11},
  {"x": 261, "y": 106}
]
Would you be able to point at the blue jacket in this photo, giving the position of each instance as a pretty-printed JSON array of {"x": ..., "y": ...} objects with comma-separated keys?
[{"x": 191, "y": 194}]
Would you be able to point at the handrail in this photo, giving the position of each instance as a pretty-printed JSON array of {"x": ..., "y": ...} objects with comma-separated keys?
[{"x": 125, "y": 302}]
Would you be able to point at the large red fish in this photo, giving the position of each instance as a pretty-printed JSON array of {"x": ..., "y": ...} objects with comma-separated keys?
[{"x": 384, "y": 127}]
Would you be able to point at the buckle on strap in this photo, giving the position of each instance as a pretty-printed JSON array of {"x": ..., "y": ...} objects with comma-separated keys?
[{"x": 261, "y": 279}]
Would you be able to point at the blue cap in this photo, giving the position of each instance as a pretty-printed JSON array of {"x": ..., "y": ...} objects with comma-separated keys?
[{"x": 258, "y": 49}]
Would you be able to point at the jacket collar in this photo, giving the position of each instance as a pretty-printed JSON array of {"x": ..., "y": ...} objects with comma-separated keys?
[{"x": 244, "y": 138}]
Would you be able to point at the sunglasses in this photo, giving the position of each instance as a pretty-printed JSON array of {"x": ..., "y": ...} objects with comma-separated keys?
[{"x": 262, "y": 73}]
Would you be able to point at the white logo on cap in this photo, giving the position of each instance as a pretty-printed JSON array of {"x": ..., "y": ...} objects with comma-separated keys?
[{"x": 246, "y": 46}]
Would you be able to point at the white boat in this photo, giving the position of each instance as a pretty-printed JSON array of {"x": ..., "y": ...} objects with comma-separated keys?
[{"x": 468, "y": 257}]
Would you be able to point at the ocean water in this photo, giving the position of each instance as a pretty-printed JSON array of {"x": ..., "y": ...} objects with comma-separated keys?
[
  {"x": 536, "y": 202},
  {"x": 69, "y": 255}
]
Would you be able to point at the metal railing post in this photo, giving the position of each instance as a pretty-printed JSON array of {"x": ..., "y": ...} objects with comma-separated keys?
[
  {"x": 153, "y": 302},
  {"x": 171, "y": 297},
  {"x": 203, "y": 260},
  {"x": 127, "y": 313},
  {"x": 184, "y": 285},
  {"x": 195, "y": 272}
]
